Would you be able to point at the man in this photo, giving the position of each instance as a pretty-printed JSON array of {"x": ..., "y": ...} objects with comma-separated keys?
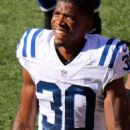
[
  {"x": 62, "y": 68},
  {"x": 48, "y": 6}
]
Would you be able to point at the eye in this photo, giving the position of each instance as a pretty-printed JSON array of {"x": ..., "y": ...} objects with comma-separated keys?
[
  {"x": 55, "y": 13},
  {"x": 70, "y": 17}
]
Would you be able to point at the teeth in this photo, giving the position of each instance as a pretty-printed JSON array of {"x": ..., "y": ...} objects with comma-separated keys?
[{"x": 59, "y": 32}]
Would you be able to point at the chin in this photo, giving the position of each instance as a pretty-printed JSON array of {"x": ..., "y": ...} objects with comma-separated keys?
[{"x": 59, "y": 42}]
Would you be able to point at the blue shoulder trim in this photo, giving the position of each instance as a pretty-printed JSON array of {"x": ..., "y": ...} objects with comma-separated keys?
[
  {"x": 33, "y": 42},
  {"x": 105, "y": 52},
  {"x": 114, "y": 55},
  {"x": 24, "y": 51}
]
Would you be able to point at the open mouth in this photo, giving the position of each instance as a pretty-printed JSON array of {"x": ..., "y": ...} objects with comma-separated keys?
[{"x": 60, "y": 32}]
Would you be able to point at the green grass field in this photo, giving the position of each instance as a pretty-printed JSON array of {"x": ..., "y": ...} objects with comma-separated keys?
[{"x": 15, "y": 17}]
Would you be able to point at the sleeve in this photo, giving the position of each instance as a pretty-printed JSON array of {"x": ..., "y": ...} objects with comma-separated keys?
[
  {"x": 26, "y": 48},
  {"x": 46, "y": 5},
  {"x": 118, "y": 63},
  {"x": 20, "y": 45},
  {"x": 122, "y": 60},
  {"x": 21, "y": 51}
]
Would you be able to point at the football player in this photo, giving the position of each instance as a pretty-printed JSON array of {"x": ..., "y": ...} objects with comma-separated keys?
[
  {"x": 65, "y": 71},
  {"x": 47, "y": 6}
]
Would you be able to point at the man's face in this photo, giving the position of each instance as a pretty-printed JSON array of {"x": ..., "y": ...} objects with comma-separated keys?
[{"x": 68, "y": 24}]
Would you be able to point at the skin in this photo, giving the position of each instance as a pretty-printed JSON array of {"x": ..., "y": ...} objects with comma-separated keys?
[
  {"x": 127, "y": 85},
  {"x": 26, "y": 115},
  {"x": 69, "y": 27},
  {"x": 116, "y": 106}
]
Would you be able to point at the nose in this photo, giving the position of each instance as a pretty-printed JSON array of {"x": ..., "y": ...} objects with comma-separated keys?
[{"x": 61, "y": 19}]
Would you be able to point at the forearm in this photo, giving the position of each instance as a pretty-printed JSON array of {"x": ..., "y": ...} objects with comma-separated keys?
[
  {"x": 26, "y": 115},
  {"x": 34, "y": 112},
  {"x": 22, "y": 127},
  {"x": 19, "y": 126},
  {"x": 26, "y": 120},
  {"x": 117, "y": 114},
  {"x": 127, "y": 86},
  {"x": 20, "y": 123}
]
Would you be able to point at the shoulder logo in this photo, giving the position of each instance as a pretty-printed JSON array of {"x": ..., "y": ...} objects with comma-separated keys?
[{"x": 126, "y": 60}]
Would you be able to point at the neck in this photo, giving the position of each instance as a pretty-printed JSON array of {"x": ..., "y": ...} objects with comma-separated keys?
[
  {"x": 68, "y": 54},
  {"x": 65, "y": 54}
]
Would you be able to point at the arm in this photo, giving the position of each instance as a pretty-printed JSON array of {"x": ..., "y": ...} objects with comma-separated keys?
[
  {"x": 26, "y": 115},
  {"x": 127, "y": 84},
  {"x": 116, "y": 106}
]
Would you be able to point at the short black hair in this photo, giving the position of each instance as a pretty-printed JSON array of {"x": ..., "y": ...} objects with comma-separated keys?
[{"x": 86, "y": 7}]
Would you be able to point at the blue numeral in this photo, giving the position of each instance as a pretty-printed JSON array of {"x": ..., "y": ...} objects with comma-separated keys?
[
  {"x": 70, "y": 94},
  {"x": 41, "y": 86}
]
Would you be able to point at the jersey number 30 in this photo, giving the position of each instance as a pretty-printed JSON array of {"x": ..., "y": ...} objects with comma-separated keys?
[{"x": 69, "y": 101}]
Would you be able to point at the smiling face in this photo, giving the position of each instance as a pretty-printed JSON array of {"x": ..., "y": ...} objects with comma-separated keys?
[{"x": 69, "y": 24}]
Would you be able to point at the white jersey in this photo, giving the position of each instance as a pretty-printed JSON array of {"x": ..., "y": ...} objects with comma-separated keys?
[{"x": 70, "y": 95}]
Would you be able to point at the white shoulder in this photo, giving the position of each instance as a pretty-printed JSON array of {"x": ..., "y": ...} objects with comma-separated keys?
[
  {"x": 112, "y": 54},
  {"x": 120, "y": 61},
  {"x": 30, "y": 41}
]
